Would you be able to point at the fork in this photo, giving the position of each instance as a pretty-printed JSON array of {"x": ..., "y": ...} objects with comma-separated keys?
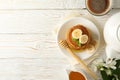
[{"x": 64, "y": 44}]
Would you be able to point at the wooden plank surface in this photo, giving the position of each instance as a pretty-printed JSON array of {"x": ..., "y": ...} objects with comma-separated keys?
[
  {"x": 38, "y": 21},
  {"x": 32, "y": 69},
  {"x": 26, "y": 27},
  {"x": 28, "y": 49},
  {"x": 47, "y": 4}
]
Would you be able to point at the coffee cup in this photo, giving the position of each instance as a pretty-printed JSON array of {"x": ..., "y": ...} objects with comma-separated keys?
[{"x": 99, "y": 7}]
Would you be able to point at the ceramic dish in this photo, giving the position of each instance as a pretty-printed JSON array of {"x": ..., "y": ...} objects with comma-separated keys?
[
  {"x": 76, "y": 68},
  {"x": 112, "y": 36},
  {"x": 61, "y": 35}
]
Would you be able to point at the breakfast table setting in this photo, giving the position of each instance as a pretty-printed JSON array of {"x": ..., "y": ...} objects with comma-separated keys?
[{"x": 59, "y": 39}]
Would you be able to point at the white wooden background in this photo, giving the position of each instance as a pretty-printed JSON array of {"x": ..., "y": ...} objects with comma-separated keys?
[{"x": 28, "y": 49}]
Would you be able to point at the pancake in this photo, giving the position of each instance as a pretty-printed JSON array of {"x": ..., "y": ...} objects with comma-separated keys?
[{"x": 72, "y": 44}]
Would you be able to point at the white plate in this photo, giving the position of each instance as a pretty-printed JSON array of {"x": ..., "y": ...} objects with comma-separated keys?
[{"x": 72, "y": 22}]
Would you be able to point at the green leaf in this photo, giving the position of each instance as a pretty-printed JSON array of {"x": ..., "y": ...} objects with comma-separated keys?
[
  {"x": 118, "y": 63},
  {"x": 79, "y": 44},
  {"x": 104, "y": 75},
  {"x": 73, "y": 39},
  {"x": 117, "y": 71},
  {"x": 114, "y": 72},
  {"x": 76, "y": 41}
]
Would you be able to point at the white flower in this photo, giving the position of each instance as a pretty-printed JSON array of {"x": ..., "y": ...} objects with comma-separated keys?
[
  {"x": 116, "y": 76},
  {"x": 102, "y": 69},
  {"x": 108, "y": 71},
  {"x": 94, "y": 67},
  {"x": 98, "y": 63},
  {"x": 110, "y": 63}
]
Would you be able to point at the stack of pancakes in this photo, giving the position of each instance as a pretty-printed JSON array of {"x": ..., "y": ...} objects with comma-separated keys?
[{"x": 72, "y": 44}]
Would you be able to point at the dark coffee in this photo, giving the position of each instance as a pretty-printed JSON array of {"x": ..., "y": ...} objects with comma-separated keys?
[{"x": 98, "y": 6}]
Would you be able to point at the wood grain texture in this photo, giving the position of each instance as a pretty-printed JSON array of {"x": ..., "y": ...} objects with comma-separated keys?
[
  {"x": 40, "y": 4},
  {"x": 47, "y": 4},
  {"x": 32, "y": 69},
  {"x": 37, "y": 21},
  {"x": 28, "y": 49},
  {"x": 18, "y": 62}
]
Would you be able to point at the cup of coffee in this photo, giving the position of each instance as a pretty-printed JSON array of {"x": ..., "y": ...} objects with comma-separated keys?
[{"x": 99, "y": 7}]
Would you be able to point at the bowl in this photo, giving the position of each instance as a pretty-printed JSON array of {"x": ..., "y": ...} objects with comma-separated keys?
[{"x": 76, "y": 69}]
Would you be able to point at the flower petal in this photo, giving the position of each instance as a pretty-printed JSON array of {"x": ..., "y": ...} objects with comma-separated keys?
[{"x": 113, "y": 67}]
